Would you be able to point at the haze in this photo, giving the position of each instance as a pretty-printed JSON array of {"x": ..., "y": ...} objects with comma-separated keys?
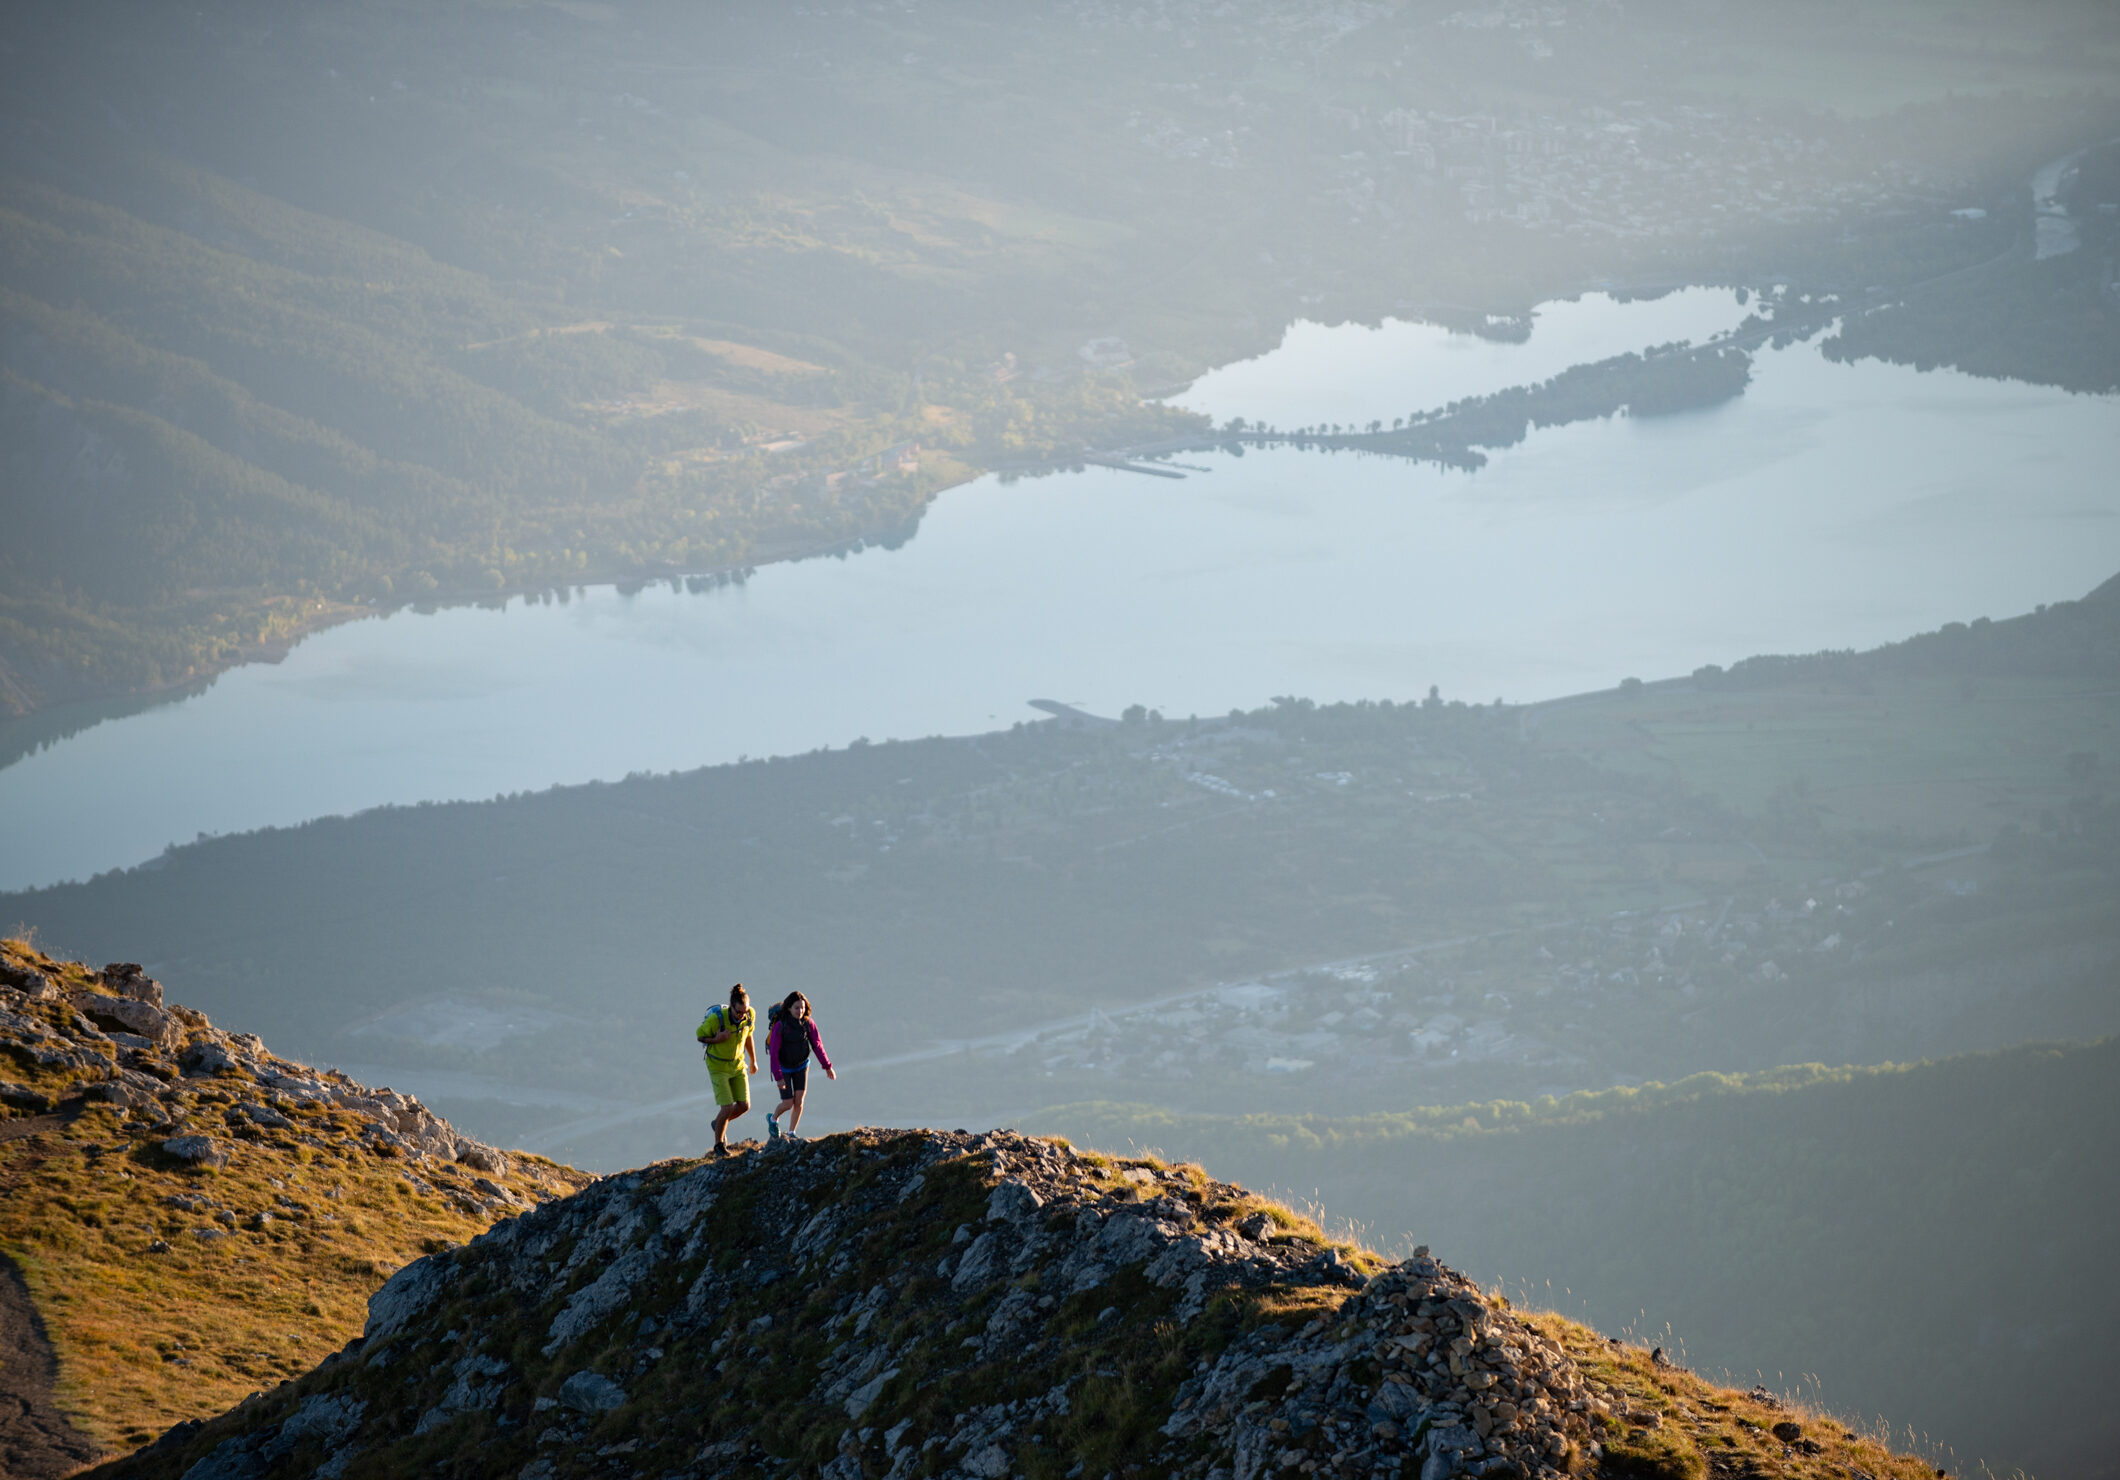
[{"x": 1565, "y": 554}]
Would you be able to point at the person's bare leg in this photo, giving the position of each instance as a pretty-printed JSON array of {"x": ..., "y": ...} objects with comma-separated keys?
[
  {"x": 794, "y": 1118},
  {"x": 727, "y": 1116}
]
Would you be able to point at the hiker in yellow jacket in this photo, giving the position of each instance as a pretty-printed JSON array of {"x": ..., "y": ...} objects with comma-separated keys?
[{"x": 731, "y": 1060}]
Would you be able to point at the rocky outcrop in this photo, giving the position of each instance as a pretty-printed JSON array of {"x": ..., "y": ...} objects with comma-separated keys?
[
  {"x": 1420, "y": 1366},
  {"x": 891, "y": 1304}
]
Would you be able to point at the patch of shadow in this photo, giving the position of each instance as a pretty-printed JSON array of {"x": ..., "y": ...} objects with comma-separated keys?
[{"x": 37, "y": 1441}]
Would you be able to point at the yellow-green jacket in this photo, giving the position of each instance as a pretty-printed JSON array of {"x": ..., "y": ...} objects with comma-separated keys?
[{"x": 729, "y": 1050}]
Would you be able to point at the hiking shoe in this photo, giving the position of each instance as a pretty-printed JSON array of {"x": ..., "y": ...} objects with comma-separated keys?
[
  {"x": 721, "y": 1148},
  {"x": 773, "y": 1127}
]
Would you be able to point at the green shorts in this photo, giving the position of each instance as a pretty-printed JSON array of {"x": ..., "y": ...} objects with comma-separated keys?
[{"x": 732, "y": 1085}]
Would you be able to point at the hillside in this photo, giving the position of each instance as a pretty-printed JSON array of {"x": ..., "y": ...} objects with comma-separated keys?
[
  {"x": 186, "y": 1217},
  {"x": 1806, "y": 1220},
  {"x": 309, "y": 310},
  {"x": 900, "y": 1303}
]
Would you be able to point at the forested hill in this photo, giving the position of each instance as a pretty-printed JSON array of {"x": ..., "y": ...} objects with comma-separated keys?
[
  {"x": 226, "y": 418},
  {"x": 304, "y": 308},
  {"x": 273, "y": 351}
]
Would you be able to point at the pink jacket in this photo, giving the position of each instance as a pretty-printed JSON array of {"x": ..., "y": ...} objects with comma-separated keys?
[{"x": 773, "y": 1039}]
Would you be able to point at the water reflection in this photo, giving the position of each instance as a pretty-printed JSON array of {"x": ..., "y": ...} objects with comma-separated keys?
[{"x": 1354, "y": 374}]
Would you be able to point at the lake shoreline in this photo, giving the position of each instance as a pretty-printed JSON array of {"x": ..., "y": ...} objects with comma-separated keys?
[
  {"x": 1602, "y": 548},
  {"x": 203, "y": 675},
  {"x": 124, "y": 699}
]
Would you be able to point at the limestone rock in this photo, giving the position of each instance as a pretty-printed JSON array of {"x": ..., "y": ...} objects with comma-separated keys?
[
  {"x": 682, "y": 1274},
  {"x": 482, "y": 1157},
  {"x": 199, "y": 1151},
  {"x": 598, "y": 1299},
  {"x": 405, "y": 1296},
  {"x": 127, "y": 980},
  {"x": 591, "y": 1392}
]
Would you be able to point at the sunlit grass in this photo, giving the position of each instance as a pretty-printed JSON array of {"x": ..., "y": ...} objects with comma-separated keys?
[{"x": 146, "y": 1337}]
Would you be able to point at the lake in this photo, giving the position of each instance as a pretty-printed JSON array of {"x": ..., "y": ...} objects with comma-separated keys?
[{"x": 1830, "y": 506}]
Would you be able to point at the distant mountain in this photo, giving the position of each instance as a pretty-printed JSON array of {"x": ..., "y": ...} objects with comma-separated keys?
[
  {"x": 187, "y": 1217},
  {"x": 921, "y": 1303}
]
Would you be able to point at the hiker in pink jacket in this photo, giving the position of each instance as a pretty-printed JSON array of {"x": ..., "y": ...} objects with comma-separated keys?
[{"x": 790, "y": 1041}]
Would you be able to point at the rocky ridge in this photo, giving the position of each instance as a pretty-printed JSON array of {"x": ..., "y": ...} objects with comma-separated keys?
[{"x": 888, "y": 1304}]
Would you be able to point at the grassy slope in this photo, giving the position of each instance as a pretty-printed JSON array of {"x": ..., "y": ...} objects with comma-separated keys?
[
  {"x": 150, "y": 1336},
  {"x": 1929, "y": 1241}
]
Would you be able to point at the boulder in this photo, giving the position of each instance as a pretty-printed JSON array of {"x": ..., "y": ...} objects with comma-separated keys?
[
  {"x": 591, "y": 1393},
  {"x": 29, "y": 981},
  {"x": 199, "y": 1151},
  {"x": 482, "y": 1158},
  {"x": 328, "y": 1417},
  {"x": 205, "y": 1059},
  {"x": 978, "y": 1265},
  {"x": 129, "y": 981},
  {"x": 406, "y": 1295},
  {"x": 989, "y": 1463},
  {"x": 128, "y": 1015},
  {"x": 1012, "y": 1202},
  {"x": 858, "y": 1401}
]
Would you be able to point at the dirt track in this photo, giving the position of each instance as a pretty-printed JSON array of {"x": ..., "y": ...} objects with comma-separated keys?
[{"x": 36, "y": 1441}]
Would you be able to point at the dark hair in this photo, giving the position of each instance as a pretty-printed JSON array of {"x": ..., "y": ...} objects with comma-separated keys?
[
  {"x": 787, "y": 1005},
  {"x": 738, "y": 994}
]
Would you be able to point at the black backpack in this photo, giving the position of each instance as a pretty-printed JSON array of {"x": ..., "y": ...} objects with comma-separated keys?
[{"x": 799, "y": 1043}]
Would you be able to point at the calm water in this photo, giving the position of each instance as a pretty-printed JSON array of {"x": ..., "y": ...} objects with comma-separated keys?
[
  {"x": 1353, "y": 374},
  {"x": 1832, "y": 506}
]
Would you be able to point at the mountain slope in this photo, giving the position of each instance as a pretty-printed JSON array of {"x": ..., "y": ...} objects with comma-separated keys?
[
  {"x": 900, "y": 1303},
  {"x": 193, "y": 1217},
  {"x": 1803, "y": 1220}
]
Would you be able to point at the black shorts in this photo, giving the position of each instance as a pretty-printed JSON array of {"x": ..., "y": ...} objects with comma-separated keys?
[{"x": 793, "y": 1081}]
